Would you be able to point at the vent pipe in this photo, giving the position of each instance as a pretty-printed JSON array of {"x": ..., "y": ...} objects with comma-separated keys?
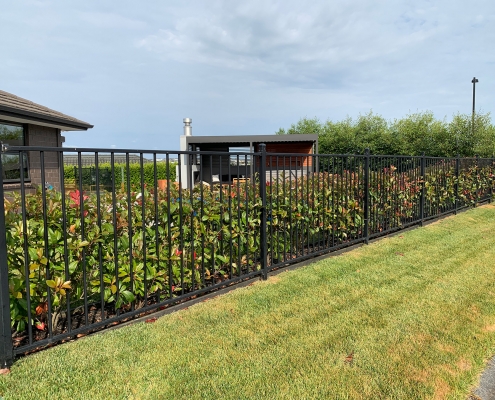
[{"x": 187, "y": 127}]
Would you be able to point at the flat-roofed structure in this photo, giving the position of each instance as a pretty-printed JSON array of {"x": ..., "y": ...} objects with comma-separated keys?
[{"x": 224, "y": 168}]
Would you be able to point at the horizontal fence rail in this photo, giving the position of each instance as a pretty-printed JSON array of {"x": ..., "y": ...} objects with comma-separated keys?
[{"x": 86, "y": 246}]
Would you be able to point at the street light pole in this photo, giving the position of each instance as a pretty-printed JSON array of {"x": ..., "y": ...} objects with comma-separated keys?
[{"x": 474, "y": 81}]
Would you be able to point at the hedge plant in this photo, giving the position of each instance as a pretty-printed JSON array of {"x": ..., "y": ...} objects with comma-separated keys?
[
  {"x": 150, "y": 246},
  {"x": 163, "y": 171}
]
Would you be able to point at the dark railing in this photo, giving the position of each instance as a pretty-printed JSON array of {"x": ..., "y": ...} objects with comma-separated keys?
[{"x": 78, "y": 255}]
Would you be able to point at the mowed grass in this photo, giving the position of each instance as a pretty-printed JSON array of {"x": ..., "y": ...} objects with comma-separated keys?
[{"x": 416, "y": 310}]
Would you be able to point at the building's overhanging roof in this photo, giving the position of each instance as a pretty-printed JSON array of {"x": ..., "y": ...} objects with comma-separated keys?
[
  {"x": 17, "y": 109},
  {"x": 247, "y": 139}
]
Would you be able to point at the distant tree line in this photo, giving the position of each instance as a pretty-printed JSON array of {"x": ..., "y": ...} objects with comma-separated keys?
[{"x": 416, "y": 133}]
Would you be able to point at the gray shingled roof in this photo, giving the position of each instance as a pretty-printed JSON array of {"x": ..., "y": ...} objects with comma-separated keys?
[{"x": 14, "y": 106}]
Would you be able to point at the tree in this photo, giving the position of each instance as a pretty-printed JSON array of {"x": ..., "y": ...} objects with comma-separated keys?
[
  {"x": 412, "y": 135},
  {"x": 303, "y": 126},
  {"x": 418, "y": 133}
]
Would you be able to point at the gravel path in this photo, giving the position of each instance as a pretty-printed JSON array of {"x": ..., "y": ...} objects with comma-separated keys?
[{"x": 486, "y": 389}]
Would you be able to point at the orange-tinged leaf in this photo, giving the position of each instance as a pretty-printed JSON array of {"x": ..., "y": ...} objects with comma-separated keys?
[
  {"x": 42, "y": 308},
  {"x": 41, "y": 326},
  {"x": 66, "y": 285}
]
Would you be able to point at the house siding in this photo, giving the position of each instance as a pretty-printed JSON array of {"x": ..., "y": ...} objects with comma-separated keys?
[
  {"x": 47, "y": 137},
  {"x": 282, "y": 167},
  {"x": 278, "y": 162}
]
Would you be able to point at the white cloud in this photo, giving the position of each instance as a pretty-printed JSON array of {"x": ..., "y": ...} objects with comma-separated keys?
[{"x": 288, "y": 39}]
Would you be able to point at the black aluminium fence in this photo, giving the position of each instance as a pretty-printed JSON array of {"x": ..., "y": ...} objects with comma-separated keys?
[{"x": 76, "y": 258}]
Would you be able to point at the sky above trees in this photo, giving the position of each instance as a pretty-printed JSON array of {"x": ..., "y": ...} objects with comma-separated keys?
[{"x": 136, "y": 69}]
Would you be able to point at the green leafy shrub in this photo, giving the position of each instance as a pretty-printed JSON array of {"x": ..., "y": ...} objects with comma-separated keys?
[
  {"x": 160, "y": 253},
  {"x": 163, "y": 171},
  {"x": 143, "y": 247}
]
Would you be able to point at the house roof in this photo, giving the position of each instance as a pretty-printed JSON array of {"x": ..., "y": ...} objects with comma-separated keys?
[{"x": 17, "y": 109}]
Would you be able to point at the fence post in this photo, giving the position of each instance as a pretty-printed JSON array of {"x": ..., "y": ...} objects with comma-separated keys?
[
  {"x": 263, "y": 237},
  {"x": 491, "y": 179},
  {"x": 456, "y": 186},
  {"x": 422, "y": 198},
  {"x": 6, "y": 345},
  {"x": 476, "y": 180},
  {"x": 366, "y": 195}
]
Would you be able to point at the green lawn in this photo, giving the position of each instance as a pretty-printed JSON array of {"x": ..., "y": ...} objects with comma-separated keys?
[{"x": 416, "y": 310}]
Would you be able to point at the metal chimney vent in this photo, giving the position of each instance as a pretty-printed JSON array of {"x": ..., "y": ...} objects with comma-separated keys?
[{"x": 187, "y": 127}]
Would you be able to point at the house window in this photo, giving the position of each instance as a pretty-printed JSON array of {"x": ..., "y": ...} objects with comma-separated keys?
[{"x": 13, "y": 135}]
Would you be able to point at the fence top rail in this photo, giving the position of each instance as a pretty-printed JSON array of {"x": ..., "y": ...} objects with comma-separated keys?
[
  {"x": 5, "y": 148},
  {"x": 396, "y": 156},
  {"x": 460, "y": 158},
  {"x": 411, "y": 157},
  {"x": 268, "y": 154},
  {"x": 445, "y": 158},
  {"x": 80, "y": 150},
  {"x": 77, "y": 150}
]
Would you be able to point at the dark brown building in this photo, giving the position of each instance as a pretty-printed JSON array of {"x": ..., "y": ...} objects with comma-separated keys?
[
  {"x": 224, "y": 168},
  {"x": 24, "y": 123}
]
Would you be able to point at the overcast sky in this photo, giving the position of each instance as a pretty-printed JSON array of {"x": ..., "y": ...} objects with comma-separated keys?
[{"x": 135, "y": 69}]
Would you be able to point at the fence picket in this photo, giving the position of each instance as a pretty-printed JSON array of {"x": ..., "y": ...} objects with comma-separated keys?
[
  {"x": 6, "y": 344},
  {"x": 263, "y": 233}
]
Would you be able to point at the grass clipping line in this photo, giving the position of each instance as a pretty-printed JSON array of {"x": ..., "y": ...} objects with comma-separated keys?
[{"x": 407, "y": 317}]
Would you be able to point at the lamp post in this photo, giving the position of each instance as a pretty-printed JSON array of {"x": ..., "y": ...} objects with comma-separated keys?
[{"x": 474, "y": 81}]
